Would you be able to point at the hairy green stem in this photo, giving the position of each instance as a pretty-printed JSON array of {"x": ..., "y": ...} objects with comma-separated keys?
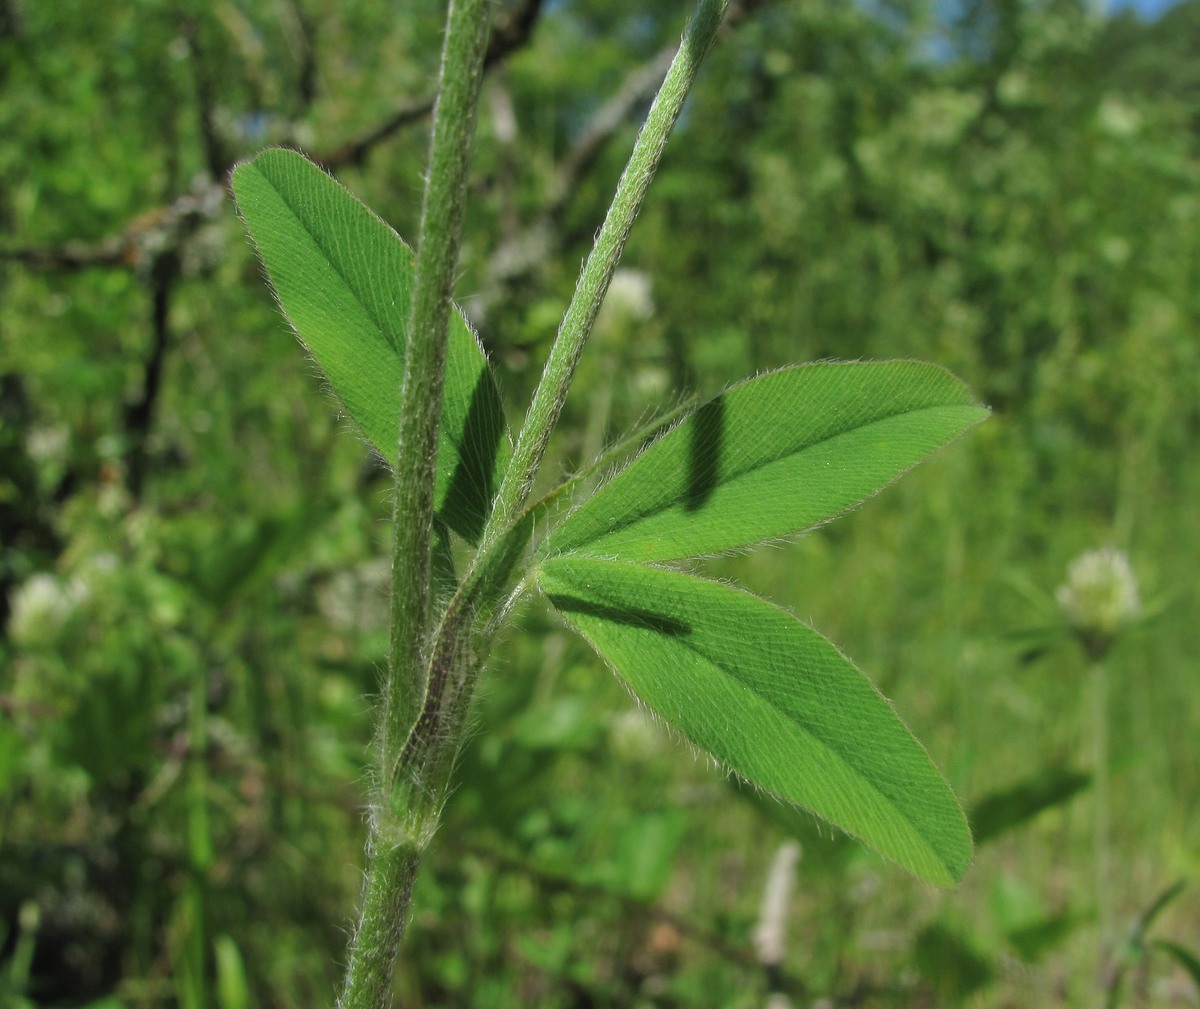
[
  {"x": 386, "y": 898},
  {"x": 598, "y": 270},
  {"x": 398, "y": 831},
  {"x": 424, "y": 367},
  {"x": 429, "y": 682}
]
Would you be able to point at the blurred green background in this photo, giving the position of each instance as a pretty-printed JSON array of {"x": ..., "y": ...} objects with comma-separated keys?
[{"x": 193, "y": 544}]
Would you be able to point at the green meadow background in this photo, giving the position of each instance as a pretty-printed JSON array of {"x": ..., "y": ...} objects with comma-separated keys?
[{"x": 193, "y": 543}]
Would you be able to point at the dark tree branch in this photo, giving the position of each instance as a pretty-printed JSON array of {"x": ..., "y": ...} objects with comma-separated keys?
[
  {"x": 148, "y": 234},
  {"x": 519, "y": 254},
  {"x": 139, "y": 415},
  {"x": 355, "y": 150},
  {"x": 141, "y": 242},
  {"x": 510, "y": 32},
  {"x": 26, "y": 532},
  {"x": 303, "y": 37},
  {"x": 71, "y": 257},
  {"x": 638, "y": 90},
  {"x": 215, "y": 158},
  {"x": 504, "y": 132},
  {"x": 128, "y": 248}
]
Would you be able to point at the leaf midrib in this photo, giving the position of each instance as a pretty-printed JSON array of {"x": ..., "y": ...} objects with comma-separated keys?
[
  {"x": 380, "y": 328},
  {"x": 729, "y": 671},
  {"x": 917, "y": 832},
  {"x": 738, "y": 475}
]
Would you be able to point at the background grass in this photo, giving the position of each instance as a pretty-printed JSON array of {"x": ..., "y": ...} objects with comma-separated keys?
[{"x": 184, "y": 696}]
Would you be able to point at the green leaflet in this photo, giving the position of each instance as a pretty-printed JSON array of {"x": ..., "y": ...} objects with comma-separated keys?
[
  {"x": 772, "y": 456},
  {"x": 344, "y": 280},
  {"x": 769, "y": 698}
]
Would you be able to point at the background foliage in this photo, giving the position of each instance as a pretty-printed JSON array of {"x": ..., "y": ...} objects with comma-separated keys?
[{"x": 192, "y": 550}]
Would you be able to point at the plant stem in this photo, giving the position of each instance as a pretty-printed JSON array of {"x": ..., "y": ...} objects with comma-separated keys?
[
  {"x": 424, "y": 367},
  {"x": 598, "y": 270},
  {"x": 1100, "y": 840},
  {"x": 398, "y": 832},
  {"x": 387, "y": 896}
]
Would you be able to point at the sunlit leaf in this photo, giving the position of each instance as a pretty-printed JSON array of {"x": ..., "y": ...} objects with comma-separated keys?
[
  {"x": 770, "y": 457},
  {"x": 344, "y": 280},
  {"x": 769, "y": 698}
]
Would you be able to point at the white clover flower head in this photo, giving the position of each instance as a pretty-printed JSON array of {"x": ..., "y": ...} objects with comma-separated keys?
[
  {"x": 39, "y": 608},
  {"x": 49, "y": 443},
  {"x": 1100, "y": 597}
]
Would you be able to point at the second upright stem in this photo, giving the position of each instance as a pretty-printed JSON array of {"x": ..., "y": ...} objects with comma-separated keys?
[{"x": 598, "y": 270}]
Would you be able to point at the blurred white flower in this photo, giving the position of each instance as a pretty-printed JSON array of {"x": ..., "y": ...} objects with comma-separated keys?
[
  {"x": 48, "y": 444},
  {"x": 1118, "y": 118},
  {"x": 39, "y": 607},
  {"x": 629, "y": 296},
  {"x": 1100, "y": 597}
]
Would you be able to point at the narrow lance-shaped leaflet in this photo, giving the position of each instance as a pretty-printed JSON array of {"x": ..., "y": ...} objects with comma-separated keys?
[
  {"x": 344, "y": 279},
  {"x": 770, "y": 457},
  {"x": 771, "y": 699}
]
